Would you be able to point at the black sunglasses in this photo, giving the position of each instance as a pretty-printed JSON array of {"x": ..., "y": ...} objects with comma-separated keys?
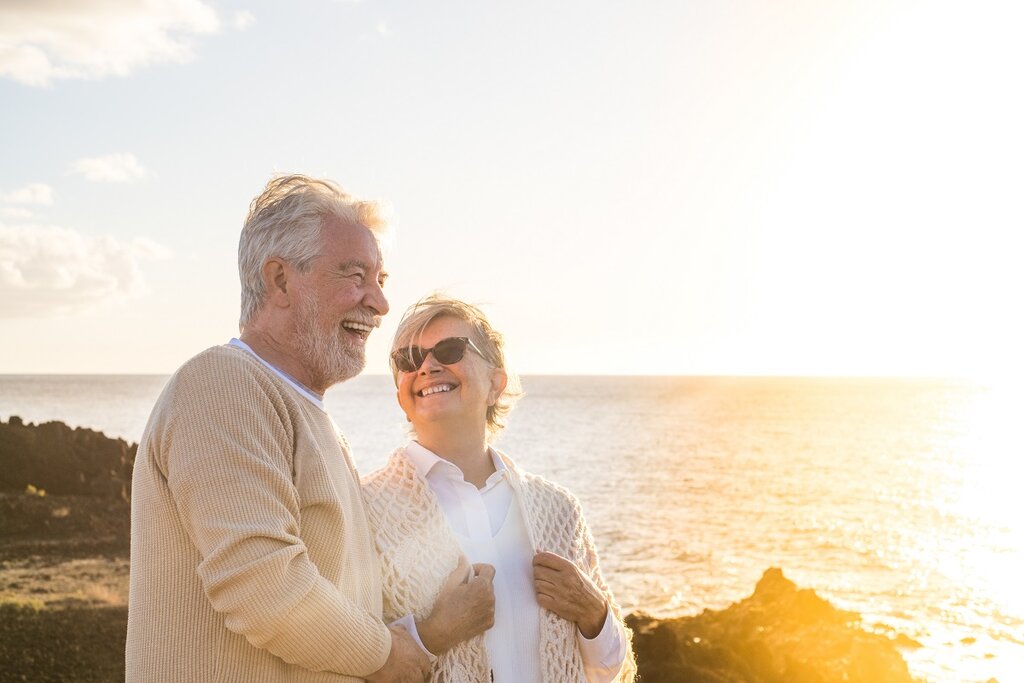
[{"x": 446, "y": 352}]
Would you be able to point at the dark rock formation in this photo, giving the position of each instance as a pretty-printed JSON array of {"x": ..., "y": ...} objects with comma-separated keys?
[
  {"x": 60, "y": 460},
  {"x": 780, "y": 634}
]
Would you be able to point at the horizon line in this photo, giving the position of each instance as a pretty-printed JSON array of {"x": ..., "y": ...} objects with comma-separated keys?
[{"x": 705, "y": 375}]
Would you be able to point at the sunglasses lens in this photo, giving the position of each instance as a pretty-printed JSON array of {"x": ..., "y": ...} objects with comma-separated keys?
[
  {"x": 408, "y": 359},
  {"x": 448, "y": 351}
]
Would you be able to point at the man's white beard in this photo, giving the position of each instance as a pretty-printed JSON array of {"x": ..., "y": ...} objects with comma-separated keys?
[{"x": 329, "y": 357}]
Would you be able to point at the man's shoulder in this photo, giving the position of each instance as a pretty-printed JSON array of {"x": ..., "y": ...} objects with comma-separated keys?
[
  {"x": 224, "y": 363},
  {"x": 223, "y": 370},
  {"x": 223, "y": 355}
]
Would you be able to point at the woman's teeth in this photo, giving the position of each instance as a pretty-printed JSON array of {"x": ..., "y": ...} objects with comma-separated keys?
[{"x": 436, "y": 389}]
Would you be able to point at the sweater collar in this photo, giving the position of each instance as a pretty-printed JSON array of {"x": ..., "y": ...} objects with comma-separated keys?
[{"x": 304, "y": 391}]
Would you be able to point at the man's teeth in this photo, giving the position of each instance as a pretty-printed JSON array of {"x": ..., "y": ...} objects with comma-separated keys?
[
  {"x": 358, "y": 327},
  {"x": 436, "y": 389}
]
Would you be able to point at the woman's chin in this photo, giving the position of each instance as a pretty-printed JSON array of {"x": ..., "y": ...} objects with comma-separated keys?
[{"x": 430, "y": 417}]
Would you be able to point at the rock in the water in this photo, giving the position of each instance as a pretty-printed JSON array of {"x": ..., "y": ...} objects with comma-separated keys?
[{"x": 780, "y": 634}]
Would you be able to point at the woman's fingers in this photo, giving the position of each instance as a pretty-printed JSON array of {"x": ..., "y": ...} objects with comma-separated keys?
[
  {"x": 552, "y": 561},
  {"x": 547, "y": 588},
  {"x": 484, "y": 571},
  {"x": 547, "y": 574},
  {"x": 565, "y": 590},
  {"x": 460, "y": 574},
  {"x": 464, "y": 608},
  {"x": 549, "y": 603}
]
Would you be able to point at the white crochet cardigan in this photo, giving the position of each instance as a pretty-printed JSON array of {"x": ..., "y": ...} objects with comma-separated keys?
[{"x": 418, "y": 551}]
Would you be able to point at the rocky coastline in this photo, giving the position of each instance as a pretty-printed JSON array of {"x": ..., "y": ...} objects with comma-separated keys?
[
  {"x": 59, "y": 459},
  {"x": 64, "y": 526},
  {"x": 780, "y": 634}
]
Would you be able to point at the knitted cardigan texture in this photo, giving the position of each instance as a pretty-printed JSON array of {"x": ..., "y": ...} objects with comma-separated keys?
[{"x": 418, "y": 551}]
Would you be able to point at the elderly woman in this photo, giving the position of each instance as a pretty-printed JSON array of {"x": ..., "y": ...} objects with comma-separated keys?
[{"x": 448, "y": 495}]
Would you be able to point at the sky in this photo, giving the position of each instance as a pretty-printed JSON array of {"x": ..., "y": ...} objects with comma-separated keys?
[{"x": 731, "y": 187}]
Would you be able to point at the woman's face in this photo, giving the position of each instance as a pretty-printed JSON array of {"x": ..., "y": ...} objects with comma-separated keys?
[{"x": 456, "y": 394}]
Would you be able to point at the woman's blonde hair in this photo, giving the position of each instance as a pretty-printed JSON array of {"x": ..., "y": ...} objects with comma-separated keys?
[{"x": 491, "y": 342}]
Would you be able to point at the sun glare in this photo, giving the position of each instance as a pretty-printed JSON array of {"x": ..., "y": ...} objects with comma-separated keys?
[{"x": 992, "y": 448}]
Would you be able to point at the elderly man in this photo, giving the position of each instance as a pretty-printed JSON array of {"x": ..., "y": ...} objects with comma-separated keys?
[{"x": 251, "y": 555}]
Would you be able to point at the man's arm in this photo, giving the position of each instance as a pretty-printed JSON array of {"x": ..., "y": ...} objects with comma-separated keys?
[{"x": 226, "y": 454}]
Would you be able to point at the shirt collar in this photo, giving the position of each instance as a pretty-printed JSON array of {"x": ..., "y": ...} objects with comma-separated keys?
[
  {"x": 426, "y": 462},
  {"x": 305, "y": 392}
]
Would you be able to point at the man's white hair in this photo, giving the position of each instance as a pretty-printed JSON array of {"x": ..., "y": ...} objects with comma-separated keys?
[{"x": 285, "y": 222}]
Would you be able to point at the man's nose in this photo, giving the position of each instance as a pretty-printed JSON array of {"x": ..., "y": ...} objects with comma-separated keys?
[{"x": 376, "y": 301}]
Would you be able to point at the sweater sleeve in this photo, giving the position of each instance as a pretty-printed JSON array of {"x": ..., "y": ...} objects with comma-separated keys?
[{"x": 227, "y": 453}]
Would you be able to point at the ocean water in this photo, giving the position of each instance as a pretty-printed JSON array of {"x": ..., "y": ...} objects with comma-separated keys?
[{"x": 900, "y": 499}]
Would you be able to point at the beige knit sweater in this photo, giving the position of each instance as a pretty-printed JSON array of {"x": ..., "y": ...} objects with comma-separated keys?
[
  {"x": 251, "y": 554},
  {"x": 418, "y": 551}
]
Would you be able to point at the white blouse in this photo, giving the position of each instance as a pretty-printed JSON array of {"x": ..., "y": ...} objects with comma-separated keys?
[{"x": 490, "y": 529}]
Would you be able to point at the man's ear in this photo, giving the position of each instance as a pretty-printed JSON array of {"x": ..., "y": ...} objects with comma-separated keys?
[
  {"x": 499, "y": 380},
  {"x": 275, "y": 274}
]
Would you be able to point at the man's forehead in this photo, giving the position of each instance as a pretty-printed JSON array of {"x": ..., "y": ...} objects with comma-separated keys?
[{"x": 357, "y": 241}]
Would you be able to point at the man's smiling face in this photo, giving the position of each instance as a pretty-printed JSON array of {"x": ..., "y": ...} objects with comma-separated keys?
[{"x": 340, "y": 300}]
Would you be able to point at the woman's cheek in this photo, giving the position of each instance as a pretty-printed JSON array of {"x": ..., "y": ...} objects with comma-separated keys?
[{"x": 405, "y": 397}]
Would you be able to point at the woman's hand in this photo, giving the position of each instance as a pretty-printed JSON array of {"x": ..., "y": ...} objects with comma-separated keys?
[
  {"x": 464, "y": 608},
  {"x": 565, "y": 590}
]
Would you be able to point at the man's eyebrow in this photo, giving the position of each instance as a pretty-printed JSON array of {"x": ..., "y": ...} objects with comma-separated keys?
[
  {"x": 362, "y": 265},
  {"x": 353, "y": 263}
]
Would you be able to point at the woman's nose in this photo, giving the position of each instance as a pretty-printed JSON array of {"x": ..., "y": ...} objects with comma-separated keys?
[{"x": 430, "y": 365}]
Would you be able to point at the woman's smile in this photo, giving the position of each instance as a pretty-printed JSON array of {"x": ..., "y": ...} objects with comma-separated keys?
[{"x": 436, "y": 389}]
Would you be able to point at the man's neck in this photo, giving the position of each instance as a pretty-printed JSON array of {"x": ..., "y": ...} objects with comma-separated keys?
[{"x": 282, "y": 356}]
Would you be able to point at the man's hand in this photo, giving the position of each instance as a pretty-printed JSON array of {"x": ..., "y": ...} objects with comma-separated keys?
[
  {"x": 406, "y": 661},
  {"x": 464, "y": 608},
  {"x": 568, "y": 592}
]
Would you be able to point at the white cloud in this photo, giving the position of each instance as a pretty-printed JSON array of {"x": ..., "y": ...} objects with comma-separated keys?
[
  {"x": 147, "y": 248},
  {"x": 33, "y": 193},
  {"x": 243, "y": 19},
  {"x": 15, "y": 212},
  {"x": 112, "y": 168},
  {"x": 47, "y": 270},
  {"x": 44, "y": 40},
  {"x": 382, "y": 29}
]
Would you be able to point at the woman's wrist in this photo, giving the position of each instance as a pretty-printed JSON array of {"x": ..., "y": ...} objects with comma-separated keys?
[
  {"x": 431, "y": 636},
  {"x": 594, "y": 623}
]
